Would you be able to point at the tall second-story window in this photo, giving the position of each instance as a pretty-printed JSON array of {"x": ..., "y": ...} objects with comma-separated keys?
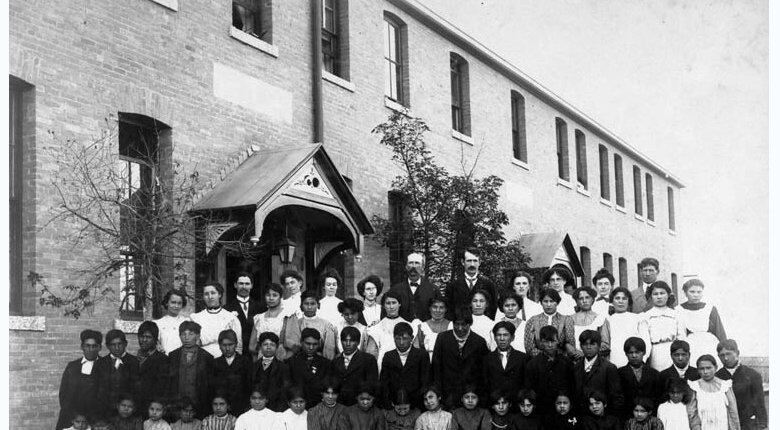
[
  {"x": 562, "y": 148},
  {"x": 335, "y": 37},
  {"x": 650, "y": 203},
  {"x": 619, "y": 193},
  {"x": 604, "y": 172},
  {"x": 670, "y": 202},
  {"x": 623, "y": 272},
  {"x": 396, "y": 66},
  {"x": 459, "y": 90},
  {"x": 254, "y": 17},
  {"x": 637, "y": 191},
  {"x": 582, "y": 159},
  {"x": 519, "y": 147},
  {"x": 608, "y": 262},
  {"x": 586, "y": 267}
]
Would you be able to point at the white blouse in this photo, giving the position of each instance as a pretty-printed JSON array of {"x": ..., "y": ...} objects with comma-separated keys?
[
  {"x": 329, "y": 310},
  {"x": 483, "y": 326},
  {"x": 621, "y": 327},
  {"x": 169, "y": 332},
  {"x": 212, "y": 323}
]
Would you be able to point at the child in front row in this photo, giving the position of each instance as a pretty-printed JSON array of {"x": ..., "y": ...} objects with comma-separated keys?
[
  {"x": 434, "y": 418},
  {"x": 79, "y": 422},
  {"x": 187, "y": 420},
  {"x": 364, "y": 415},
  {"x": 470, "y": 415},
  {"x": 402, "y": 416},
  {"x": 258, "y": 417},
  {"x": 643, "y": 416},
  {"x": 220, "y": 419},
  {"x": 296, "y": 417},
  {"x": 500, "y": 419},
  {"x": 126, "y": 418},
  {"x": 155, "y": 420},
  {"x": 527, "y": 419},
  {"x": 598, "y": 418},
  {"x": 563, "y": 418},
  {"x": 679, "y": 412}
]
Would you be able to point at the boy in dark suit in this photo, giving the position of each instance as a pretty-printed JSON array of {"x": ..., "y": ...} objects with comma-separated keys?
[
  {"x": 593, "y": 373},
  {"x": 190, "y": 369},
  {"x": 117, "y": 372},
  {"x": 457, "y": 358},
  {"x": 232, "y": 373},
  {"x": 680, "y": 368},
  {"x": 747, "y": 385},
  {"x": 152, "y": 366},
  {"x": 245, "y": 308},
  {"x": 352, "y": 367},
  {"x": 550, "y": 372},
  {"x": 270, "y": 373},
  {"x": 405, "y": 367},
  {"x": 504, "y": 368},
  {"x": 78, "y": 388},
  {"x": 308, "y": 369},
  {"x": 637, "y": 378}
]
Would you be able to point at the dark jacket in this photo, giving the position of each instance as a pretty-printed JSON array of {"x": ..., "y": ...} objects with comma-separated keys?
[
  {"x": 452, "y": 369},
  {"x": 458, "y": 293},
  {"x": 649, "y": 386},
  {"x": 152, "y": 379},
  {"x": 691, "y": 374},
  {"x": 603, "y": 376},
  {"x": 203, "y": 371},
  {"x": 235, "y": 380},
  {"x": 748, "y": 389},
  {"x": 77, "y": 393},
  {"x": 112, "y": 381},
  {"x": 247, "y": 323},
  {"x": 532, "y": 422},
  {"x": 309, "y": 374},
  {"x": 415, "y": 305},
  {"x": 508, "y": 380},
  {"x": 361, "y": 368},
  {"x": 604, "y": 422},
  {"x": 412, "y": 376},
  {"x": 275, "y": 380},
  {"x": 548, "y": 376}
]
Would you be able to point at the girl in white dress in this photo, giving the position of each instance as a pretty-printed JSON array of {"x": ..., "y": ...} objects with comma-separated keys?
[
  {"x": 586, "y": 319},
  {"x": 702, "y": 321},
  {"x": 173, "y": 302},
  {"x": 621, "y": 325},
  {"x": 214, "y": 319},
  {"x": 602, "y": 283},
  {"x": 370, "y": 289},
  {"x": 715, "y": 400},
  {"x": 429, "y": 330},
  {"x": 271, "y": 320},
  {"x": 329, "y": 303},
  {"x": 679, "y": 412},
  {"x": 662, "y": 325},
  {"x": 483, "y": 324}
]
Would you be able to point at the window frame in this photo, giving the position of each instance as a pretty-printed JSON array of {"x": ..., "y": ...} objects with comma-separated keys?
[
  {"x": 587, "y": 266},
  {"x": 16, "y": 123},
  {"x": 393, "y": 61},
  {"x": 650, "y": 197},
  {"x": 604, "y": 172},
  {"x": 581, "y": 154},
  {"x": 331, "y": 58},
  {"x": 620, "y": 196},
  {"x": 670, "y": 207},
  {"x": 562, "y": 148},
  {"x": 638, "y": 200},
  {"x": 519, "y": 142},
  {"x": 261, "y": 14}
]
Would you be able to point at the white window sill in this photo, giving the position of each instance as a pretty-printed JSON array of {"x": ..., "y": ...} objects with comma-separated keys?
[
  {"x": 639, "y": 217},
  {"x": 651, "y": 223},
  {"x": 583, "y": 191},
  {"x": 343, "y": 83},
  {"x": 521, "y": 163},
  {"x": 170, "y": 4},
  {"x": 28, "y": 323},
  {"x": 398, "y": 107},
  {"x": 672, "y": 233},
  {"x": 127, "y": 326},
  {"x": 564, "y": 183},
  {"x": 462, "y": 137},
  {"x": 620, "y": 208},
  {"x": 254, "y": 42},
  {"x": 605, "y": 202}
]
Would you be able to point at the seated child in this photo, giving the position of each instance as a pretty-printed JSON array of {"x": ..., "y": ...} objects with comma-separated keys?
[
  {"x": 526, "y": 419},
  {"x": 126, "y": 418},
  {"x": 294, "y": 418},
  {"x": 364, "y": 415},
  {"x": 598, "y": 418},
  {"x": 500, "y": 419},
  {"x": 434, "y": 418},
  {"x": 402, "y": 416},
  {"x": 220, "y": 419},
  {"x": 187, "y": 420},
  {"x": 327, "y": 414},
  {"x": 643, "y": 416},
  {"x": 679, "y": 412},
  {"x": 79, "y": 422},
  {"x": 470, "y": 415},
  {"x": 258, "y": 417},
  {"x": 102, "y": 425},
  {"x": 155, "y": 420},
  {"x": 563, "y": 418}
]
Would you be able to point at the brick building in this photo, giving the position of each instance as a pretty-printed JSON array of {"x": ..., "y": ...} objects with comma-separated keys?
[{"x": 243, "y": 91}]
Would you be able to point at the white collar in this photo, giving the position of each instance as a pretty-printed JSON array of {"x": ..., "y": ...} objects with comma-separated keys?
[
  {"x": 349, "y": 357},
  {"x": 410, "y": 282},
  {"x": 405, "y": 353},
  {"x": 681, "y": 372},
  {"x": 471, "y": 278},
  {"x": 84, "y": 360},
  {"x": 242, "y": 299}
]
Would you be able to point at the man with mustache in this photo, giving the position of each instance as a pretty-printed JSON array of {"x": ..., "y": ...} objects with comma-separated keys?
[
  {"x": 459, "y": 291},
  {"x": 416, "y": 291}
]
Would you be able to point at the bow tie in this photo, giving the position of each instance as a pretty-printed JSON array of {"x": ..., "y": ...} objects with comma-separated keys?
[
  {"x": 117, "y": 361},
  {"x": 414, "y": 284}
]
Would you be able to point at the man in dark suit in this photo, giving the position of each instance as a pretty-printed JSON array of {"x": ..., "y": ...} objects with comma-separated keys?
[
  {"x": 152, "y": 367},
  {"x": 638, "y": 378},
  {"x": 416, "y": 291},
  {"x": 593, "y": 373},
  {"x": 457, "y": 357},
  {"x": 747, "y": 384},
  {"x": 680, "y": 368},
  {"x": 404, "y": 367},
  {"x": 245, "y": 308},
  {"x": 549, "y": 373},
  {"x": 190, "y": 369},
  {"x": 308, "y": 369},
  {"x": 353, "y": 367},
  {"x": 117, "y": 373},
  {"x": 648, "y": 271},
  {"x": 504, "y": 368},
  {"x": 459, "y": 291},
  {"x": 78, "y": 388},
  {"x": 271, "y": 373}
]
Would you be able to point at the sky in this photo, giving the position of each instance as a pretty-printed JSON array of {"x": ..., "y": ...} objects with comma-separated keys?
[{"x": 687, "y": 84}]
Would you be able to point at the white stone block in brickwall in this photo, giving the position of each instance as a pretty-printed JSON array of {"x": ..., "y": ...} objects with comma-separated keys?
[{"x": 252, "y": 93}]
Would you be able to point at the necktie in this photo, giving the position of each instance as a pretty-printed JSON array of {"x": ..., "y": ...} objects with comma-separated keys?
[
  {"x": 117, "y": 362},
  {"x": 503, "y": 360},
  {"x": 471, "y": 283},
  {"x": 245, "y": 306}
]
